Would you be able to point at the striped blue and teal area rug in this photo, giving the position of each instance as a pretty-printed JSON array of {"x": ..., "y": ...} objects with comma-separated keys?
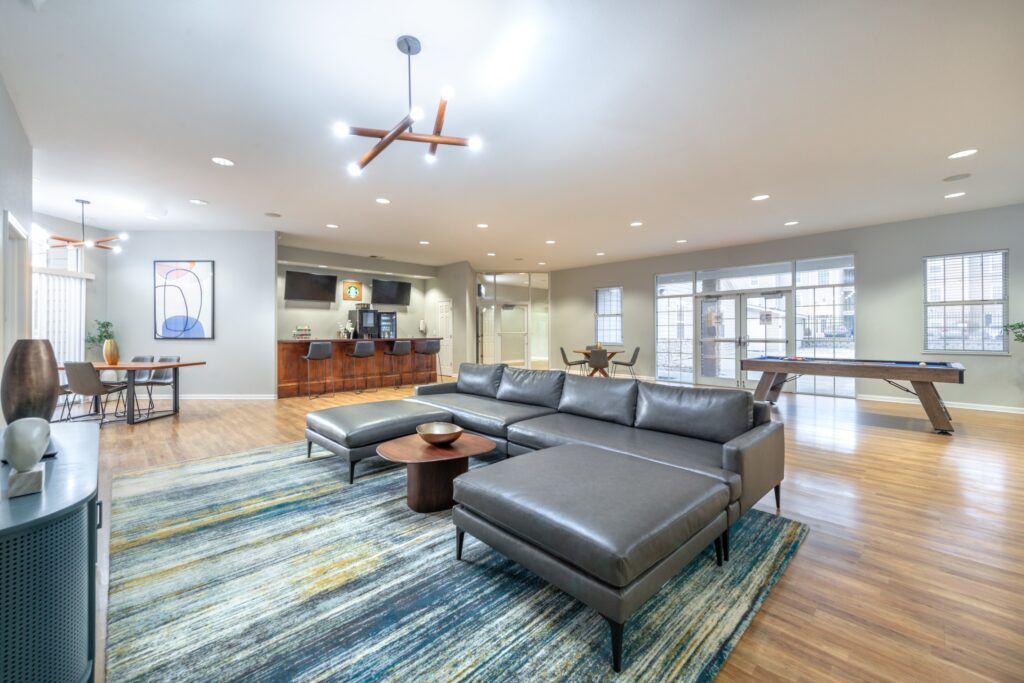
[{"x": 266, "y": 566}]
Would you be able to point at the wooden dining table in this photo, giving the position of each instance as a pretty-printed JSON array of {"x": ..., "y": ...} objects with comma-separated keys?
[
  {"x": 611, "y": 354},
  {"x": 130, "y": 368}
]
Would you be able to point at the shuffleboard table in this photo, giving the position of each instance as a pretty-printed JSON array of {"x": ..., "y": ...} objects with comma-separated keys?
[{"x": 777, "y": 370}]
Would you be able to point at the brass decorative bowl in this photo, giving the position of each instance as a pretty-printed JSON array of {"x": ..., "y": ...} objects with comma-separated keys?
[{"x": 439, "y": 433}]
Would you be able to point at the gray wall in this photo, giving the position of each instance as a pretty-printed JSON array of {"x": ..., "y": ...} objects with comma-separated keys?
[
  {"x": 890, "y": 294},
  {"x": 323, "y": 318},
  {"x": 16, "y": 197},
  {"x": 242, "y": 358},
  {"x": 456, "y": 281}
]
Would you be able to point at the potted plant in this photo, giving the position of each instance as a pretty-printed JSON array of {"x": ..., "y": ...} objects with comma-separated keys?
[
  {"x": 1017, "y": 330},
  {"x": 104, "y": 337}
]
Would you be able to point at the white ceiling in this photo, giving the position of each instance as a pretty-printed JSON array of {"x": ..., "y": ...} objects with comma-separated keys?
[{"x": 593, "y": 116}]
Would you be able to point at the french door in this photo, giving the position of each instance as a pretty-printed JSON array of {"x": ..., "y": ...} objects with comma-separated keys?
[{"x": 737, "y": 326}]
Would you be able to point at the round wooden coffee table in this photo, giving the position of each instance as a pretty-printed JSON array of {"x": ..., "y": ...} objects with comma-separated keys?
[{"x": 430, "y": 469}]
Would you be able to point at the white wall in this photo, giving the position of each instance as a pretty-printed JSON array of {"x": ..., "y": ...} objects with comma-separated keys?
[
  {"x": 890, "y": 294},
  {"x": 242, "y": 358},
  {"x": 16, "y": 197}
]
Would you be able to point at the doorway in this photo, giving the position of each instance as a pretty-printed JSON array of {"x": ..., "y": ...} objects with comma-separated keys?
[
  {"x": 737, "y": 326},
  {"x": 512, "y": 319},
  {"x": 445, "y": 330}
]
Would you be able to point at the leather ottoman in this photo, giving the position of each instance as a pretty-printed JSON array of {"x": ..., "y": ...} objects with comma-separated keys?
[
  {"x": 355, "y": 431},
  {"x": 607, "y": 528}
]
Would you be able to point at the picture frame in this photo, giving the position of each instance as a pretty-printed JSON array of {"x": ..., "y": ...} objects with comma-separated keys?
[{"x": 183, "y": 299}]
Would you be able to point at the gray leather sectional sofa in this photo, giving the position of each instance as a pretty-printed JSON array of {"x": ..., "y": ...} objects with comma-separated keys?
[{"x": 719, "y": 433}]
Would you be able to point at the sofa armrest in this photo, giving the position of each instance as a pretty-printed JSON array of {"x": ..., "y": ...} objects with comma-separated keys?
[
  {"x": 443, "y": 388},
  {"x": 759, "y": 457}
]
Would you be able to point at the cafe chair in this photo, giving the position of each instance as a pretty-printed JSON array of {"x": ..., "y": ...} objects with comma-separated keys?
[
  {"x": 598, "y": 361},
  {"x": 65, "y": 393},
  {"x": 363, "y": 353},
  {"x": 628, "y": 364},
  {"x": 569, "y": 364},
  {"x": 84, "y": 381},
  {"x": 141, "y": 377},
  {"x": 163, "y": 377},
  {"x": 321, "y": 353},
  {"x": 429, "y": 347},
  {"x": 398, "y": 350}
]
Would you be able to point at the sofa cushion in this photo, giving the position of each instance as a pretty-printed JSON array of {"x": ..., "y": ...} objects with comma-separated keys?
[
  {"x": 613, "y": 400},
  {"x": 364, "y": 424},
  {"x": 596, "y": 523},
  {"x": 711, "y": 414},
  {"x": 481, "y": 414},
  {"x": 694, "y": 455},
  {"x": 479, "y": 379},
  {"x": 536, "y": 387}
]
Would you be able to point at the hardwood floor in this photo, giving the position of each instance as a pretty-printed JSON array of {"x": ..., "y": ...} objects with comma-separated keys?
[{"x": 913, "y": 570}]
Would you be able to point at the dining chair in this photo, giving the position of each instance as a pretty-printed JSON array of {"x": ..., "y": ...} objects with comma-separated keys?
[
  {"x": 569, "y": 364},
  {"x": 598, "y": 361},
  {"x": 141, "y": 377},
  {"x": 628, "y": 364},
  {"x": 163, "y": 377},
  {"x": 84, "y": 381},
  {"x": 64, "y": 392}
]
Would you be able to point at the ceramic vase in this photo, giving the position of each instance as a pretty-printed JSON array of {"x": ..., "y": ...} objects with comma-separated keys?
[
  {"x": 30, "y": 383},
  {"x": 24, "y": 442},
  {"x": 110, "y": 352}
]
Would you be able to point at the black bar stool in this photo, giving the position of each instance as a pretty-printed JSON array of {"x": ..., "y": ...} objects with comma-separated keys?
[
  {"x": 364, "y": 350},
  {"x": 398, "y": 350},
  {"x": 429, "y": 347},
  {"x": 322, "y": 353}
]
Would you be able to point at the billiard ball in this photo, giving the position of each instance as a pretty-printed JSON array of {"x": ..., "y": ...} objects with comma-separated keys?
[{"x": 922, "y": 364}]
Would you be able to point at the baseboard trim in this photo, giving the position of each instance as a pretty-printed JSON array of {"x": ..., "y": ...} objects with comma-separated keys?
[
  {"x": 949, "y": 404},
  {"x": 219, "y": 397}
]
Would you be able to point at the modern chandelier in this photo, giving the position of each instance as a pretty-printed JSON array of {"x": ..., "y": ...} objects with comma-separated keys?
[
  {"x": 409, "y": 46},
  {"x": 101, "y": 243}
]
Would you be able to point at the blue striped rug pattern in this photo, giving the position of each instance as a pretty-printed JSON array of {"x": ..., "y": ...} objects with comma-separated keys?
[{"x": 266, "y": 566}]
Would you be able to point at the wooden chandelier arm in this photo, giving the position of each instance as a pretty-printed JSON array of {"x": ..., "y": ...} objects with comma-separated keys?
[
  {"x": 411, "y": 137},
  {"x": 438, "y": 124},
  {"x": 385, "y": 140}
]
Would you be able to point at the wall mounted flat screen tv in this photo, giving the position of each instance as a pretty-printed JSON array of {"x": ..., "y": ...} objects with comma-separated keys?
[
  {"x": 308, "y": 287},
  {"x": 391, "y": 292}
]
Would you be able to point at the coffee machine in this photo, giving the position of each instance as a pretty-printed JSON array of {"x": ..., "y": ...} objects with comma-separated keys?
[{"x": 365, "y": 322}]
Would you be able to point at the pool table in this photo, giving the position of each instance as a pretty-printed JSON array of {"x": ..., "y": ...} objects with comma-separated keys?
[{"x": 777, "y": 370}]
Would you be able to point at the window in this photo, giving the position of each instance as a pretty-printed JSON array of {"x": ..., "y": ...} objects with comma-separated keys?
[
  {"x": 764, "y": 276},
  {"x": 58, "y": 298},
  {"x": 966, "y": 302},
  {"x": 608, "y": 315},
  {"x": 674, "y": 327},
  {"x": 825, "y": 319}
]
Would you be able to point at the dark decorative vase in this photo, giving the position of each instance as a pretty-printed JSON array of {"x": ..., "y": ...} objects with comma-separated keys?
[{"x": 30, "y": 384}]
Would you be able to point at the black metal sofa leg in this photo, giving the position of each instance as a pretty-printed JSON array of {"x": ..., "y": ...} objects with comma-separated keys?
[
  {"x": 309, "y": 448},
  {"x": 351, "y": 472},
  {"x": 718, "y": 551},
  {"x": 725, "y": 545},
  {"x": 778, "y": 496},
  {"x": 460, "y": 536},
  {"x": 617, "y": 630}
]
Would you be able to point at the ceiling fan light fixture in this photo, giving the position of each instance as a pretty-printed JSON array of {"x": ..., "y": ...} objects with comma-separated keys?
[
  {"x": 342, "y": 130},
  {"x": 416, "y": 113},
  {"x": 475, "y": 143},
  {"x": 355, "y": 170},
  {"x": 430, "y": 158},
  {"x": 447, "y": 93}
]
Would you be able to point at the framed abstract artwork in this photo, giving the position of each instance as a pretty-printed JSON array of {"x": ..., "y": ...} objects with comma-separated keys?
[{"x": 183, "y": 299}]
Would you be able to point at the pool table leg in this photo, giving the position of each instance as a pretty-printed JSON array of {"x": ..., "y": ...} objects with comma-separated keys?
[
  {"x": 764, "y": 385},
  {"x": 777, "y": 384},
  {"x": 933, "y": 405}
]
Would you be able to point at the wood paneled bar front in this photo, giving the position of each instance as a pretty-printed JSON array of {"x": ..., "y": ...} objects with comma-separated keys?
[{"x": 348, "y": 372}]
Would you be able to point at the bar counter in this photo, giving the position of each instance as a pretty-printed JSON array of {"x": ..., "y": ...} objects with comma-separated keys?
[{"x": 348, "y": 372}]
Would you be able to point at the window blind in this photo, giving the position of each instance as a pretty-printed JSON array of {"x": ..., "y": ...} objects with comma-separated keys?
[{"x": 966, "y": 302}]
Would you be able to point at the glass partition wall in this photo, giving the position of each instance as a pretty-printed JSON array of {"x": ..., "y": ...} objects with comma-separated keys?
[{"x": 512, "y": 319}]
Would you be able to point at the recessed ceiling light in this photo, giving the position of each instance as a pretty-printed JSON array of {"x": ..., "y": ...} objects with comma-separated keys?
[
  {"x": 541, "y": 263},
  {"x": 382, "y": 200},
  {"x": 954, "y": 195},
  {"x": 760, "y": 197},
  {"x": 954, "y": 178},
  {"x": 272, "y": 214},
  {"x": 600, "y": 253},
  {"x": 321, "y": 266},
  {"x": 963, "y": 153},
  {"x": 482, "y": 225},
  {"x": 680, "y": 241},
  {"x": 788, "y": 223},
  {"x": 635, "y": 224},
  {"x": 332, "y": 226},
  {"x": 424, "y": 242},
  {"x": 221, "y": 161},
  {"x": 491, "y": 253},
  {"x": 549, "y": 241},
  {"x": 198, "y": 202}
]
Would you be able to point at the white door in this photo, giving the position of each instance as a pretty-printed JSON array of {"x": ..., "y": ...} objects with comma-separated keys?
[{"x": 445, "y": 330}]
